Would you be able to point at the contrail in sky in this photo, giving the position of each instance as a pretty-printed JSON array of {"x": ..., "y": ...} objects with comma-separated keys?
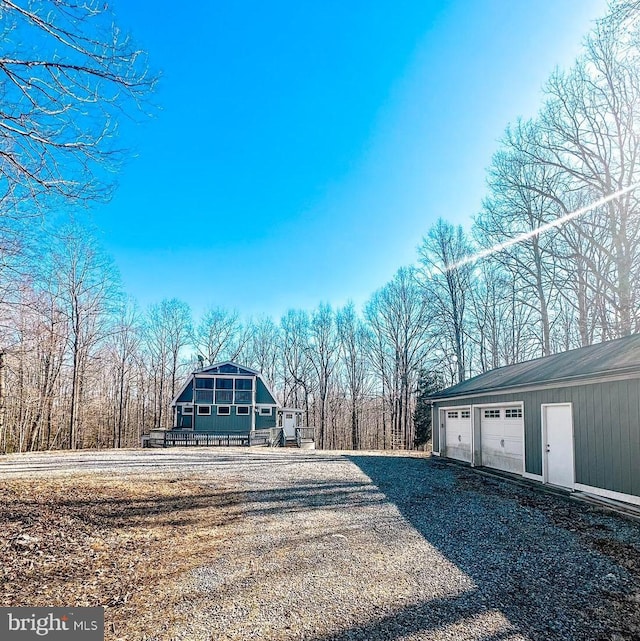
[{"x": 540, "y": 230}]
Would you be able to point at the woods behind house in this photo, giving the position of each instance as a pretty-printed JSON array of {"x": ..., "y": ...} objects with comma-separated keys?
[{"x": 83, "y": 366}]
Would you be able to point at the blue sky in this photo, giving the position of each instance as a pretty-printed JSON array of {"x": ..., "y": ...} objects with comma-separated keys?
[{"x": 302, "y": 150}]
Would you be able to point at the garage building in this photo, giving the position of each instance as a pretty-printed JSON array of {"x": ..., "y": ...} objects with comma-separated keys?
[{"x": 571, "y": 420}]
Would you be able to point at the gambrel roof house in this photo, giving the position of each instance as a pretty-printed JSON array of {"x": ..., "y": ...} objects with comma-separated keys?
[
  {"x": 571, "y": 420},
  {"x": 228, "y": 398}
]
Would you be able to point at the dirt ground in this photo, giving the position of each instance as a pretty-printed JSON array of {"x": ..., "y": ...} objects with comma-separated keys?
[{"x": 96, "y": 540}]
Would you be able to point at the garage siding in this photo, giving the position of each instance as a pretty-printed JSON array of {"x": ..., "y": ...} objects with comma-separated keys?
[{"x": 606, "y": 420}]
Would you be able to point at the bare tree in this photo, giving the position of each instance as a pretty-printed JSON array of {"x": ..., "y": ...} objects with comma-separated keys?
[
  {"x": 591, "y": 131},
  {"x": 123, "y": 352},
  {"x": 167, "y": 332},
  {"x": 67, "y": 73},
  {"x": 220, "y": 335},
  {"x": 263, "y": 348},
  {"x": 322, "y": 353},
  {"x": 400, "y": 319},
  {"x": 447, "y": 285},
  {"x": 86, "y": 286},
  {"x": 522, "y": 199},
  {"x": 352, "y": 334},
  {"x": 296, "y": 366}
]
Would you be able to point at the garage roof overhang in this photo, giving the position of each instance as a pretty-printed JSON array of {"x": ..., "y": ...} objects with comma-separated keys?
[{"x": 566, "y": 381}]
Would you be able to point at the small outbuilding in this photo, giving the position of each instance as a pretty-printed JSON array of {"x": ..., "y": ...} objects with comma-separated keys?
[{"x": 571, "y": 420}]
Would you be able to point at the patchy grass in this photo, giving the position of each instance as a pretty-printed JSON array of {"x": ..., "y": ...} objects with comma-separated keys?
[{"x": 100, "y": 541}]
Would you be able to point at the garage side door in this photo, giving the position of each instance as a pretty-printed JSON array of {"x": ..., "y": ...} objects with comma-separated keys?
[
  {"x": 457, "y": 424},
  {"x": 501, "y": 438}
]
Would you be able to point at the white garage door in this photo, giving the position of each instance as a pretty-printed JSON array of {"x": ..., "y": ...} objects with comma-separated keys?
[
  {"x": 457, "y": 423},
  {"x": 501, "y": 438}
]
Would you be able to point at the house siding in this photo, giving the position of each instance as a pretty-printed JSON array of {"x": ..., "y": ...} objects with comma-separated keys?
[
  {"x": 232, "y": 424},
  {"x": 606, "y": 419},
  {"x": 263, "y": 395},
  {"x": 264, "y": 422},
  {"x": 187, "y": 394}
]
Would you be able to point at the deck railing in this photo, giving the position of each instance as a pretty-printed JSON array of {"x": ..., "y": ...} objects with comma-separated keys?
[
  {"x": 304, "y": 434},
  {"x": 168, "y": 438},
  {"x": 271, "y": 437},
  {"x": 205, "y": 438}
]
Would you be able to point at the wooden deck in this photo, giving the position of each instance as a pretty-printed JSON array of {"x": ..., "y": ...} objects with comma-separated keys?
[{"x": 273, "y": 437}]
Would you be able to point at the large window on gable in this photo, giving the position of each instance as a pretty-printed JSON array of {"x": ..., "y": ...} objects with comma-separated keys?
[
  {"x": 224, "y": 391},
  {"x": 243, "y": 391},
  {"x": 204, "y": 390}
]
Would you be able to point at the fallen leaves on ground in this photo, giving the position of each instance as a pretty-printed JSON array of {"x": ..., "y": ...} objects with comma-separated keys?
[{"x": 101, "y": 541}]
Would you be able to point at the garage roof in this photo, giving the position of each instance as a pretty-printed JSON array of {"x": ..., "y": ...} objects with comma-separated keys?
[{"x": 621, "y": 356}]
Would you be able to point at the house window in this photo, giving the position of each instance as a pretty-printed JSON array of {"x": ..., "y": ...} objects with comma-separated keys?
[
  {"x": 492, "y": 413},
  {"x": 244, "y": 391},
  {"x": 204, "y": 390},
  {"x": 224, "y": 410},
  {"x": 204, "y": 396},
  {"x": 187, "y": 409},
  {"x": 289, "y": 415},
  {"x": 265, "y": 411},
  {"x": 224, "y": 391},
  {"x": 228, "y": 369},
  {"x": 514, "y": 412},
  {"x": 452, "y": 414},
  {"x": 465, "y": 414},
  {"x": 204, "y": 410},
  {"x": 243, "y": 410}
]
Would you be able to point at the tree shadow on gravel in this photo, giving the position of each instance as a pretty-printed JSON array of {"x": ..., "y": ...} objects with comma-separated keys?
[
  {"x": 129, "y": 511},
  {"x": 540, "y": 576}
]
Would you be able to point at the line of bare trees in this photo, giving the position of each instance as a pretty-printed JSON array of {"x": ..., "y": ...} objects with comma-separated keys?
[{"x": 84, "y": 367}]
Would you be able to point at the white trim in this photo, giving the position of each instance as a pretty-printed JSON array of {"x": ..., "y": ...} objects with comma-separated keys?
[
  {"x": 186, "y": 407},
  {"x": 198, "y": 413},
  {"x": 222, "y": 363},
  {"x": 435, "y": 453},
  {"x": 262, "y": 412},
  {"x": 504, "y": 404},
  {"x": 608, "y": 494},
  {"x": 243, "y": 407},
  {"x": 204, "y": 373},
  {"x": 543, "y": 439},
  {"x": 182, "y": 389},
  {"x": 271, "y": 392},
  {"x": 220, "y": 407},
  {"x": 459, "y": 408},
  {"x": 533, "y": 477}
]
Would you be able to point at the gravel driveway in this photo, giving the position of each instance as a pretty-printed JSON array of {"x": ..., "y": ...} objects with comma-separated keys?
[{"x": 328, "y": 545}]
